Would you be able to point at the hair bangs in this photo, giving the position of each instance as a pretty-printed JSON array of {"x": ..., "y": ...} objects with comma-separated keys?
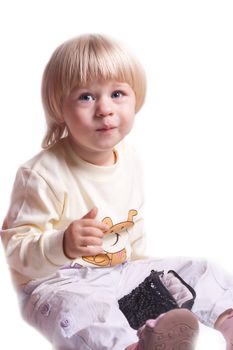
[{"x": 100, "y": 60}]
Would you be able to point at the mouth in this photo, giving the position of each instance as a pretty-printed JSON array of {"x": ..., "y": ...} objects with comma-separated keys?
[
  {"x": 106, "y": 128},
  {"x": 117, "y": 238}
]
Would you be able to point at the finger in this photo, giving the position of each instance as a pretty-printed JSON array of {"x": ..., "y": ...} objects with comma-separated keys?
[
  {"x": 91, "y": 214},
  {"x": 91, "y": 241},
  {"x": 91, "y": 251},
  {"x": 96, "y": 224},
  {"x": 91, "y": 232}
]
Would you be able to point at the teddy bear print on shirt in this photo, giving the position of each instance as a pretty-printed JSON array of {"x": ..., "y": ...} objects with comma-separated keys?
[{"x": 114, "y": 242}]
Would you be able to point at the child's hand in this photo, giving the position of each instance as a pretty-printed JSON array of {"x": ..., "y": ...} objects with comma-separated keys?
[{"x": 84, "y": 237}]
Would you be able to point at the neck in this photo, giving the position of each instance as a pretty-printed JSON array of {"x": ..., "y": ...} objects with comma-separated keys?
[
  {"x": 104, "y": 158},
  {"x": 101, "y": 159}
]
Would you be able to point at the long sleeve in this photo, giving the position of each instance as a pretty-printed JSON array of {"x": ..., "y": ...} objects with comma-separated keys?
[{"x": 31, "y": 234}]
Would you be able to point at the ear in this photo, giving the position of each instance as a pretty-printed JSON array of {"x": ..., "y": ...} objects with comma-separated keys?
[
  {"x": 131, "y": 214},
  {"x": 108, "y": 221}
]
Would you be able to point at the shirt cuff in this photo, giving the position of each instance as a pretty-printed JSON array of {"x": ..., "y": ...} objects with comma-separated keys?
[{"x": 53, "y": 248}]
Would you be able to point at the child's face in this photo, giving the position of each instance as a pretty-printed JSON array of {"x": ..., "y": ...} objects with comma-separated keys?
[{"x": 98, "y": 116}]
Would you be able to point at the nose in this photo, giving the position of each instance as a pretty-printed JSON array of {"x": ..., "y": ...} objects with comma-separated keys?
[{"x": 104, "y": 107}]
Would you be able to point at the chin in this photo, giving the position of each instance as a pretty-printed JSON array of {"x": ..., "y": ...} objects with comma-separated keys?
[{"x": 108, "y": 146}]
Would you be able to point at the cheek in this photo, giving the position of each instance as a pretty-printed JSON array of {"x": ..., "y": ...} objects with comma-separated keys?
[
  {"x": 127, "y": 126},
  {"x": 73, "y": 121},
  {"x": 129, "y": 119}
]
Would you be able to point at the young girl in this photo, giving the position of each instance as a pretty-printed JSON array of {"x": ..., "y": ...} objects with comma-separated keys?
[{"x": 74, "y": 235}]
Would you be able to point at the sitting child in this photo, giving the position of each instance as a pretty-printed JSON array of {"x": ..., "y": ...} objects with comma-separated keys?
[{"x": 74, "y": 236}]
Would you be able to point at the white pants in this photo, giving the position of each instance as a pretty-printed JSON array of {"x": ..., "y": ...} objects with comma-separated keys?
[{"x": 78, "y": 308}]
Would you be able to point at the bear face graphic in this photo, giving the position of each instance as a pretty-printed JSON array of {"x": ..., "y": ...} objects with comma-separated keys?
[{"x": 114, "y": 242}]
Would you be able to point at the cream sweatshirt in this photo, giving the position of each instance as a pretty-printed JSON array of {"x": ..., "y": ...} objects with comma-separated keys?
[{"x": 56, "y": 187}]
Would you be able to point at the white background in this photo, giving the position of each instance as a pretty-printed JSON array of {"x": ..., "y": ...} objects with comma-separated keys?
[{"x": 184, "y": 132}]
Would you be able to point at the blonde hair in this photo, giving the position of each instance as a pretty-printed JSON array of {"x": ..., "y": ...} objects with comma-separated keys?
[{"x": 79, "y": 61}]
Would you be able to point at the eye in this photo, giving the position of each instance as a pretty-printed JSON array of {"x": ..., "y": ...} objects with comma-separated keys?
[
  {"x": 117, "y": 94},
  {"x": 86, "y": 97}
]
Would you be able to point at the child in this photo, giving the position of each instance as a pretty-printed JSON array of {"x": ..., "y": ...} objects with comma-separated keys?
[{"x": 74, "y": 235}]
